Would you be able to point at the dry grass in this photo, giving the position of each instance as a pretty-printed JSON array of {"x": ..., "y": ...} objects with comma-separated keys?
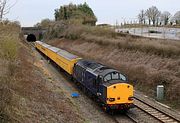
[
  {"x": 26, "y": 92},
  {"x": 144, "y": 70},
  {"x": 71, "y": 30},
  {"x": 147, "y": 62},
  {"x": 159, "y": 47},
  {"x": 107, "y": 36},
  {"x": 9, "y": 39}
]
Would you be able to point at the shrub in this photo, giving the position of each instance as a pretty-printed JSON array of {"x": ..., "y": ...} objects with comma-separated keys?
[{"x": 8, "y": 48}]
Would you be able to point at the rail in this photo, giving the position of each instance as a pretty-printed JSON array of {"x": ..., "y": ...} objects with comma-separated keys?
[{"x": 155, "y": 112}]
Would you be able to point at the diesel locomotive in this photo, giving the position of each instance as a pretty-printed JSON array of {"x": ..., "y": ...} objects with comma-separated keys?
[{"x": 110, "y": 87}]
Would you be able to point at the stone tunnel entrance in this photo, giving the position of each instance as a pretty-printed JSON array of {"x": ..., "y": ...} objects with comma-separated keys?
[
  {"x": 31, "y": 38},
  {"x": 33, "y": 33}
]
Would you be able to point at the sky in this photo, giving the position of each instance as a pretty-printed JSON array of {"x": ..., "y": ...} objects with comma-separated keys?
[{"x": 29, "y": 12}]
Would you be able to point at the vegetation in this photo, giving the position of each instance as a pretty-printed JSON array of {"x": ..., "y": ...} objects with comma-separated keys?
[
  {"x": 153, "y": 15},
  {"x": 107, "y": 36},
  {"x": 9, "y": 39},
  {"x": 45, "y": 23},
  {"x": 75, "y": 31},
  {"x": 176, "y": 18},
  {"x": 147, "y": 61},
  {"x": 83, "y": 13},
  {"x": 27, "y": 94},
  {"x": 165, "y": 17},
  {"x": 5, "y": 6},
  {"x": 156, "y": 17}
]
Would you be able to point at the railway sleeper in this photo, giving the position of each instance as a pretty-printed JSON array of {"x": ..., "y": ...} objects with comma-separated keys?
[
  {"x": 164, "y": 118},
  {"x": 157, "y": 115},
  {"x": 169, "y": 121},
  {"x": 154, "y": 112}
]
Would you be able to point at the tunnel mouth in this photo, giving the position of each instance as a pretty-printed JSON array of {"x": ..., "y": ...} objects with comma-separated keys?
[{"x": 31, "y": 38}]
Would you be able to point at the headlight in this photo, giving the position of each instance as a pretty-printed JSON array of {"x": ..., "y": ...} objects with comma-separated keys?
[{"x": 111, "y": 99}]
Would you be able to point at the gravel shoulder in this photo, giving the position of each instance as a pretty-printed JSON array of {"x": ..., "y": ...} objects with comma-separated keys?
[{"x": 158, "y": 105}]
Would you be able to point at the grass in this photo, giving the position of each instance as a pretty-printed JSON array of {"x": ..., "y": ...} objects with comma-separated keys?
[
  {"x": 150, "y": 46},
  {"x": 9, "y": 39},
  {"x": 107, "y": 36},
  {"x": 74, "y": 31},
  {"x": 147, "y": 62}
]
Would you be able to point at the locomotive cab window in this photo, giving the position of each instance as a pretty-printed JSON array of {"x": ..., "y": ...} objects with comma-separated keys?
[
  {"x": 114, "y": 76},
  {"x": 107, "y": 77},
  {"x": 122, "y": 77}
]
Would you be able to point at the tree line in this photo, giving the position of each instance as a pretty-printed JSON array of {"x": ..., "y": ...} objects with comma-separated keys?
[
  {"x": 153, "y": 16},
  {"x": 82, "y": 12}
]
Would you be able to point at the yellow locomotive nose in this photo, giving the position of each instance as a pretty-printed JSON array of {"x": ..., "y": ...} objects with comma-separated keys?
[{"x": 121, "y": 93}]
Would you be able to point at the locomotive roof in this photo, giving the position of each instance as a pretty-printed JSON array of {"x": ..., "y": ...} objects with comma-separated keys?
[
  {"x": 89, "y": 64},
  {"x": 95, "y": 68}
]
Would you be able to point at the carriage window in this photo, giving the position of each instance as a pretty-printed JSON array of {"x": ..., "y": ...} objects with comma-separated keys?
[
  {"x": 122, "y": 77},
  {"x": 115, "y": 75},
  {"x": 107, "y": 77}
]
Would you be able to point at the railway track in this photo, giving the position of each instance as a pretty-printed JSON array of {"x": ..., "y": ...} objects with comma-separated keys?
[
  {"x": 125, "y": 118},
  {"x": 155, "y": 112},
  {"x": 144, "y": 112},
  {"x": 148, "y": 109},
  {"x": 132, "y": 118}
]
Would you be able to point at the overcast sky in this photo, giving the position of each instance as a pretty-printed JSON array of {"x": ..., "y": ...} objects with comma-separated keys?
[{"x": 29, "y": 12}]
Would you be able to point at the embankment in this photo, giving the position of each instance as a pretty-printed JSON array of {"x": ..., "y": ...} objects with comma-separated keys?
[{"x": 146, "y": 62}]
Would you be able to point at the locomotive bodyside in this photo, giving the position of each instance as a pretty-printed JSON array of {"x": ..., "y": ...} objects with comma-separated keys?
[{"x": 112, "y": 93}]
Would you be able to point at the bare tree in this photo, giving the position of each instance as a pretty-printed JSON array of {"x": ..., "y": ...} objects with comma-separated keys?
[
  {"x": 165, "y": 16},
  {"x": 141, "y": 17},
  {"x": 148, "y": 14},
  {"x": 5, "y": 7},
  {"x": 176, "y": 17},
  {"x": 153, "y": 14}
]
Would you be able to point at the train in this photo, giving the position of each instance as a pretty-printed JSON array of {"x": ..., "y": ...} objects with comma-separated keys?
[{"x": 110, "y": 88}]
